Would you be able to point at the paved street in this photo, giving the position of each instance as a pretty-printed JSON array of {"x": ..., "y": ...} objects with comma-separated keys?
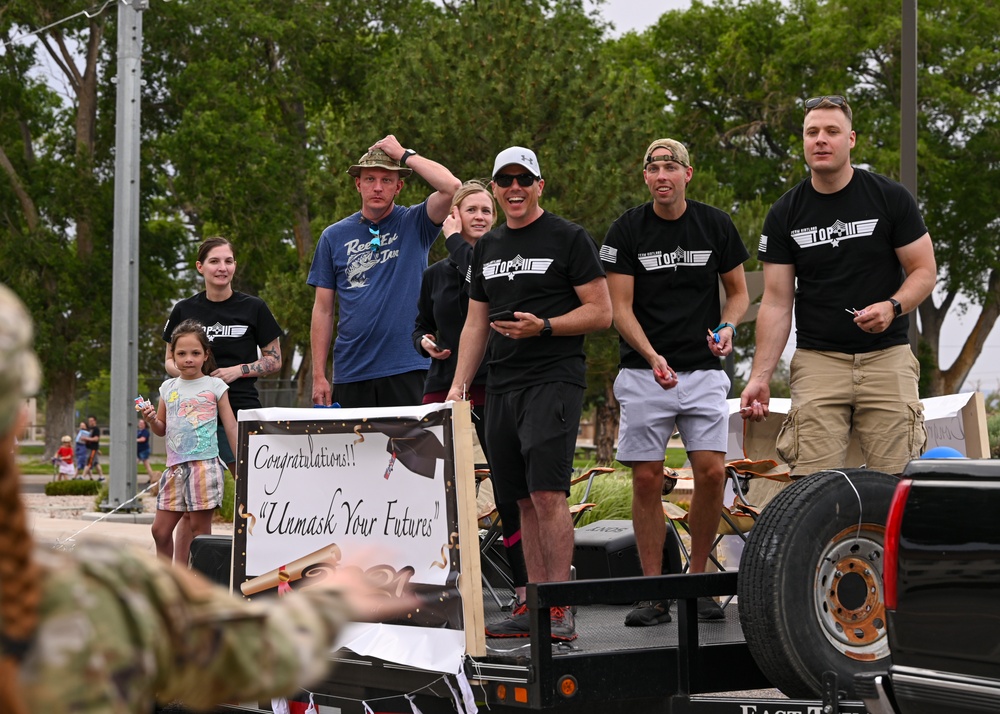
[{"x": 51, "y": 525}]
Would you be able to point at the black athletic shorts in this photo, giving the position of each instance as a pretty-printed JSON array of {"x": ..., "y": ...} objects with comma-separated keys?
[
  {"x": 397, "y": 390},
  {"x": 532, "y": 438}
]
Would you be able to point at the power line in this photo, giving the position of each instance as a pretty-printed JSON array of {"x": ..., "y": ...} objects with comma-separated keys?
[{"x": 87, "y": 13}]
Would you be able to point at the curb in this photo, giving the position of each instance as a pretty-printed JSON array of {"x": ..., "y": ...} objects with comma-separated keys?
[{"x": 143, "y": 518}]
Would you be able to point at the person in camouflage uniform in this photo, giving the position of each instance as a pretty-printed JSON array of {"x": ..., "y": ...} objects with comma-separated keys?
[
  {"x": 117, "y": 627},
  {"x": 107, "y": 629}
]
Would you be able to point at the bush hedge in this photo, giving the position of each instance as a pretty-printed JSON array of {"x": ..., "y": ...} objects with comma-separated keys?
[
  {"x": 223, "y": 513},
  {"x": 75, "y": 487}
]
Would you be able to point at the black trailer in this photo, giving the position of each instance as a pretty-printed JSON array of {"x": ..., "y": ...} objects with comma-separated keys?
[
  {"x": 809, "y": 614},
  {"x": 672, "y": 668}
]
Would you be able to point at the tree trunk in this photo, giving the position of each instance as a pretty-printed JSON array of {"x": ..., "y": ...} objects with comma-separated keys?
[
  {"x": 303, "y": 380},
  {"x": 948, "y": 381},
  {"x": 606, "y": 416},
  {"x": 60, "y": 409},
  {"x": 954, "y": 377}
]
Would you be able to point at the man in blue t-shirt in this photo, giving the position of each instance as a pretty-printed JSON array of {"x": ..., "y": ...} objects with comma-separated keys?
[{"x": 374, "y": 261}]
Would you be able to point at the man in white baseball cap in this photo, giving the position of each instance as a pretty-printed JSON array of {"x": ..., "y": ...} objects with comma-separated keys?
[{"x": 537, "y": 286}]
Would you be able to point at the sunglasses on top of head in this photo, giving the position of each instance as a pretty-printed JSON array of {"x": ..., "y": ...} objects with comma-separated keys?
[
  {"x": 834, "y": 99},
  {"x": 506, "y": 180}
]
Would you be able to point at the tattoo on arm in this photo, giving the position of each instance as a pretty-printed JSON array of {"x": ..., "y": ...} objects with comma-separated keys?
[{"x": 269, "y": 362}]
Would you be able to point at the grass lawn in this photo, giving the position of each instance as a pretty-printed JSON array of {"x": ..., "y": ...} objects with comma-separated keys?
[{"x": 613, "y": 492}]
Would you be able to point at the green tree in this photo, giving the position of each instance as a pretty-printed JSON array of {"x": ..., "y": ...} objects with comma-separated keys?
[
  {"x": 247, "y": 92},
  {"x": 495, "y": 73},
  {"x": 735, "y": 74},
  {"x": 56, "y": 189}
]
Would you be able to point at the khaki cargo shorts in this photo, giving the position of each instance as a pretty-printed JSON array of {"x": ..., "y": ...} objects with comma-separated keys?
[{"x": 835, "y": 394}]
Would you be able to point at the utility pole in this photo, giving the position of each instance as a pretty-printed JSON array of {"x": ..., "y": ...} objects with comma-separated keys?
[
  {"x": 125, "y": 264},
  {"x": 908, "y": 117}
]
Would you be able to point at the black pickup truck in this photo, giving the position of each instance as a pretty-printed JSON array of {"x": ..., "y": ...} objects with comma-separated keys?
[{"x": 942, "y": 592}]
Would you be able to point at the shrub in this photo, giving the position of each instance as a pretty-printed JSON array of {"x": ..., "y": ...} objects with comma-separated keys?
[
  {"x": 227, "y": 509},
  {"x": 76, "y": 487},
  {"x": 102, "y": 496},
  {"x": 993, "y": 427}
]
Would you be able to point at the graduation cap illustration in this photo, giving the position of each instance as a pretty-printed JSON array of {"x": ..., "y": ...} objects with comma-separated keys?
[{"x": 412, "y": 444}]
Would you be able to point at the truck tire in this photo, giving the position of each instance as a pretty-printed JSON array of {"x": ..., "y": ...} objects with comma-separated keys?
[{"x": 810, "y": 583}]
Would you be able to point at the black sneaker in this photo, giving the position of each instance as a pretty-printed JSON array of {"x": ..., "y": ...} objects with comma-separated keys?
[
  {"x": 647, "y": 613},
  {"x": 563, "y": 624},
  {"x": 708, "y": 609},
  {"x": 515, "y": 625}
]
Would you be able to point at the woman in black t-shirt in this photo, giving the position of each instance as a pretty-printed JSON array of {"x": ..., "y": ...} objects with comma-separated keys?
[{"x": 244, "y": 335}]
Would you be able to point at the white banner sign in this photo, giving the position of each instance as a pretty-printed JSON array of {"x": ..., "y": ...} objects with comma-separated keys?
[{"x": 321, "y": 489}]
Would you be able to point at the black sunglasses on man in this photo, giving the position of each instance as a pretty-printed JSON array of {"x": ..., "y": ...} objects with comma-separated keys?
[{"x": 506, "y": 180}]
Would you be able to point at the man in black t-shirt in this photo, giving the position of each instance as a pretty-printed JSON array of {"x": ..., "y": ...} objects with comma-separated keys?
[
  {"x": 93, "y": 450},
  {"x": 538, "y": 283},
  {"x": 849, "y": 249},
  {"x": 664, "y": 260}
]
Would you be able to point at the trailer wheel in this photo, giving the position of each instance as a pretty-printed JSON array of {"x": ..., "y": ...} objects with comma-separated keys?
[{"x": 810, "y": 584}]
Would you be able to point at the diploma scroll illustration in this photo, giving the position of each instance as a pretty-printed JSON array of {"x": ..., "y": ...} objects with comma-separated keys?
[{"x": 315, "y": 565}]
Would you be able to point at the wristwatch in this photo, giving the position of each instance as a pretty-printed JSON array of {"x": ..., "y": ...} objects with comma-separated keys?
[
  {"x": 406, "y": 155},
  {"x": 245, "y": 368},
  {"x": 546, "y": 328},
  {"x": 897, "y": 309}
]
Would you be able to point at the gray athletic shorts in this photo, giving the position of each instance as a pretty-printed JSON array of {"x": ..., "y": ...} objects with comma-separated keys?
[{"x": 696, "y": 406}]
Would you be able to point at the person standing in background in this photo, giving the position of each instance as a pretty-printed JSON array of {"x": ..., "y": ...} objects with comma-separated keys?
[
  {"x": 64, "y": 459},
  {"x": 93, "y": 440},
  {"x": 82, "y": 433},
  {"x": 245, "y": 337},
  {"x": 143, "y": 448}
]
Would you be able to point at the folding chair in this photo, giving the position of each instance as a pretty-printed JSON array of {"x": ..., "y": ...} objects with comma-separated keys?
[
  {"x": 735, "y": 519},
  {"x": 490, "y": 532},
  {"x": 584, "y": 506},
  {"x": 754, "y": 482}
]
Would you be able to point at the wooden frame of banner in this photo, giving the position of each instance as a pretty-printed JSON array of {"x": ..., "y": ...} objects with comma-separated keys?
[
  {"x": 470, "y": 571},
  {"x": 977, "y": 438},
  {"x": 470, "y": 582}
]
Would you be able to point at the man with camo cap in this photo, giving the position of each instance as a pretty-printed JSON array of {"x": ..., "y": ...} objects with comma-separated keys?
[{"x": 107, "y": 629}]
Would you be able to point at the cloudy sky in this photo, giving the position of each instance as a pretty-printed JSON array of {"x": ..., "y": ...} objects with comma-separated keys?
[{"x": 637, "y": 14}]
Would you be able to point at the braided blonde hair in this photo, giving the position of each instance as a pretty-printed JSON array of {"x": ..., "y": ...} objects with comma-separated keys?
[{"x": 20, "y": 575}]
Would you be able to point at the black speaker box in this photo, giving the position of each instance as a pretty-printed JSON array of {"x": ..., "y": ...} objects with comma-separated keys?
[
  {"x": 212, "y": 556},
  {"x": 606, "y": 549}
]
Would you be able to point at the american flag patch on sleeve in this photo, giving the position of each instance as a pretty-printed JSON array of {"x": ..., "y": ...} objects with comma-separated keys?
[{"x": 609, "y": 254}]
